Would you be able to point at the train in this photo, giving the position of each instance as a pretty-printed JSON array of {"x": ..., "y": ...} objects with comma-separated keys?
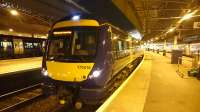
[
  {"x": 82, "y": 58},
  {"x": 20, "y": 47}
]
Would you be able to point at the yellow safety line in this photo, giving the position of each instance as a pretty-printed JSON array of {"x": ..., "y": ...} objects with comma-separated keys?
[{"x": 110, "y": 99}]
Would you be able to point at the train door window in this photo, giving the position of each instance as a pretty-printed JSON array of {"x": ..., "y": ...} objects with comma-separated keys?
[
  {"x": 1, "y": 44},
  {"x": 18, "y": 46},
  {"x": 114, "y": 45},
  {"x": 43, "y": 44},
  {"x": 7, "y": 44},
  {"x": 120, "y": 45},
  {"x": 28, "y": 45},
  {"x": 36, "y": 45}
]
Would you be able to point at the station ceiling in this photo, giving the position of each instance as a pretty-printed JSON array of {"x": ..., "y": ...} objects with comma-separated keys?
[
  {"x": 158, "y": 16},
  {"x": 153, "y": 18}
]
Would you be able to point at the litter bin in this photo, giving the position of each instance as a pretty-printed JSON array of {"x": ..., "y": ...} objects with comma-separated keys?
[
  {"x": 176, "y": 57},
  {"x": 198, "y": 75},
  {"x": 164, "y": 52},
  {"x": 157, "y": 51}
]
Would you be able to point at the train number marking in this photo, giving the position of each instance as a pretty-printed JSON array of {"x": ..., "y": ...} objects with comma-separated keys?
[{"x": 83, "y": 67}]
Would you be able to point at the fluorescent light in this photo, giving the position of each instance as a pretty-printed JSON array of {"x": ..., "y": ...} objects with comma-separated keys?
[
  {"x": 171, "y": 29},
  {"x": 187, "y": 16},
  {"x": 136, "y": 34},
  {"x": 14, "y": 12},
  {"x": 76, "y": 17},
  {"x": 128, "y": 39},
  {"x": 156, "y": 38},
  {"x": 11, "y": 30},
  {"x": 115, "y": 37}
]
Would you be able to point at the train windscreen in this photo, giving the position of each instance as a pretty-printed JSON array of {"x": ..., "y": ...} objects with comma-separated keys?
[{"x": 73, "y": 45}]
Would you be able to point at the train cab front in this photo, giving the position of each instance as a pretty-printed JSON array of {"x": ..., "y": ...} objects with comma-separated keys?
[{"x": 71, "y": 61}]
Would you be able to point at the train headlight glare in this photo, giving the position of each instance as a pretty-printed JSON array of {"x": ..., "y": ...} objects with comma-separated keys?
[
  {"x": 44, "y": 72},
  {"x": 95, "y": 74}
]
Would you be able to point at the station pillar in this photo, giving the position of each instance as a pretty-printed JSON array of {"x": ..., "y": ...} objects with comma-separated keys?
[
  {"x": 175, "y": 42},
  {"x": 176, "y": 55},
  {"x": 164, "y": 47},
  {"x": 187, "y": 49}
]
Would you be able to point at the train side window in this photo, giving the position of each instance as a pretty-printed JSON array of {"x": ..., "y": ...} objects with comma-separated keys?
[
  {"x": 36, "y": 45},
  {"x": 1, "y": 44},
  {"x": 115, "y": 46},
  {"x": 7, "y": 44},
  {"x": 120, "y": 45},
  {"x": 28, "y": 45}
]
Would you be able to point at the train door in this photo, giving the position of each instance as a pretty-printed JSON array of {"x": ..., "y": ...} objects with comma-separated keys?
[
  {"x": 37, "y": 48},
  {"x": 28, "y": 46},
  {"x": 1, "y": 48},
  {"x": 7, "y": 48},
  {"x": 43, "y": 46},
  {"x": 18, "y": 47}
]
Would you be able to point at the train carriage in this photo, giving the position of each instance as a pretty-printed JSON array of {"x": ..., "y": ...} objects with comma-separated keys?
[
  {"x": 82, "y": 57},
  {"x": 20, "y": 47}
]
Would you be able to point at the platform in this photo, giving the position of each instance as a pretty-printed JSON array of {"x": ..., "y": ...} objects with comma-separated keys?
[
  {"x": 155, "y": 86},
  {"x": 15, "y": 65}
]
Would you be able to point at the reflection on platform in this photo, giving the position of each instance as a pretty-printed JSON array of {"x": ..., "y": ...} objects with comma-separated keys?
[{"x": 15, "y": 65}]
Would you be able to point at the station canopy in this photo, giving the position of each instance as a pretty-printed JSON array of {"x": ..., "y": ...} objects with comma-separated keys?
[{"x": 156, "y": 20}]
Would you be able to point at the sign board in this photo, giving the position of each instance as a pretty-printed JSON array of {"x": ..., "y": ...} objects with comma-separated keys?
[
  {"x": 196, "y": 25},
  {"x": 191, "y": 38}
]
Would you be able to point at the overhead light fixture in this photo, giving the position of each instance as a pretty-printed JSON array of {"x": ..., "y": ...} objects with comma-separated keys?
[
  {"x": 156, "y": 38},
  {"x": 14, "y": 12},
  {"x": 11, "y": 30},
  {"x": 115, "y": 37},
  {"x": 135, "y": 34},
  {"x": 187, "y": 16},
  {"x": 76, "y": 17},
  {"x": 171, "y": 29},
  {"x": 128, "y": 39}
]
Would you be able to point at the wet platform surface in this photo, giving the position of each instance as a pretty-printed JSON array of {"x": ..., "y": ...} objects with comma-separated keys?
[
  {"x": 155, "y": 86},
  {"x": 15, "y": 65}
]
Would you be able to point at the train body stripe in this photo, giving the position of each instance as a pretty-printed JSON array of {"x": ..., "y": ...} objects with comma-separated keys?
[
  {"x": 72, "y": 72},
  {"x": 84, "y": 22}
]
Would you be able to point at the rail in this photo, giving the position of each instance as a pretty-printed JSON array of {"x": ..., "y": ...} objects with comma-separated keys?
[{"x": 17, "y": 98}]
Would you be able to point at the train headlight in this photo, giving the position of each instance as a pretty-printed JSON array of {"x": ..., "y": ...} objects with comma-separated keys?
[
  {"x": 95, "y": 74},
  {"x": 44, "y": 72}
]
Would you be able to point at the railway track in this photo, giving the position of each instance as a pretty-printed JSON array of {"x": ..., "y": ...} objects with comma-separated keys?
[{"x": 22, "y": 97}]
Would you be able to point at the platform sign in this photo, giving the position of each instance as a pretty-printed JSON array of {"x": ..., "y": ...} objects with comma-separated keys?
[
  {"x": 196, "y": 25},
  {"x": 191, "y": 38}
]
